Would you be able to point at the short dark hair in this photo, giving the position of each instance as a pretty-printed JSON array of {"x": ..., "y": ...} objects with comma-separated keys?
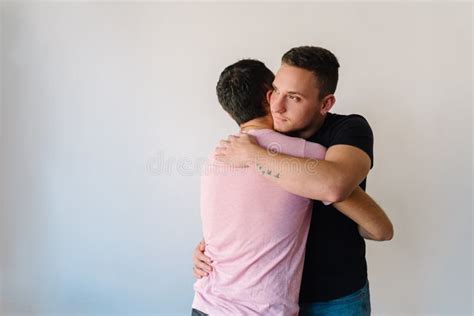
[
  {"x": 318, "y": 60},
  {"x": 242, "y": 89}
]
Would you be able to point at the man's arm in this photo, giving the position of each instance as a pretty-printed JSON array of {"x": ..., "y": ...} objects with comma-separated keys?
[
  {"x": 373, "y": 223},
  {"x": 201, "y": 263},
  {"x": 332, "y": 179}
]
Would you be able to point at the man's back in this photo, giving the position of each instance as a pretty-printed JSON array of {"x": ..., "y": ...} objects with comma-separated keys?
[{"x": 255, "y": 232}]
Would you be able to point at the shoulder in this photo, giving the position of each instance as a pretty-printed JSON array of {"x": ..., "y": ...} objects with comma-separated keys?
[
  {"x": 343, "y": 120},
  {"x": 353, "y": 130},
  {"x": 351, "y": 125}
]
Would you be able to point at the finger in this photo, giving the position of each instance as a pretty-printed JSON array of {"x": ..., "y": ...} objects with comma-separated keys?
[
  {"x": 220, "y": 152},
  {"x": 197, "y": 276},
  {"x": 201, "y": 265},
  {"x": 224, "y": 143},
  {"x": 199, "y": 273},
  {"x": 232, "y": 137},
  {"x": 199, "y": 246},
  {"x": 219, "y": 157},
  {"x": 199, "y": 257},
  {"x": 220, "y": 149},
  {"x": 202, "y": 257},
  {"x": 198, "y": 254}
]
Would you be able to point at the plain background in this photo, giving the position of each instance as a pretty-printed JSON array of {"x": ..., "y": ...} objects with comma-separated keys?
[{"x": 107, "y": 110}]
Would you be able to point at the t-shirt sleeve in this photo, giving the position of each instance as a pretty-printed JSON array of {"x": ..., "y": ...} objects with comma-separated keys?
[
  {"x": 355, "y": 131},
  {"x": 314, "y": 150}
]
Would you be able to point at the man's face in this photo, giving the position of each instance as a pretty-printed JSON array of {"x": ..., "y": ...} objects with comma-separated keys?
[{"x": 294, "y": 102}]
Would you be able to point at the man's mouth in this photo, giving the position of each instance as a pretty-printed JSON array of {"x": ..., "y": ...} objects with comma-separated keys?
[{"x": 282, "y": 119}]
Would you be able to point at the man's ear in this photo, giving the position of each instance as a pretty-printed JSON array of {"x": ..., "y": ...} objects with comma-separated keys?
[
  {"x": 269, "y": 95},
  {"x": 327, "y": 104}
]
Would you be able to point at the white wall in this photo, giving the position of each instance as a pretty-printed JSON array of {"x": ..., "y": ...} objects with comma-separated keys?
[{"x": 95, "y": 97}]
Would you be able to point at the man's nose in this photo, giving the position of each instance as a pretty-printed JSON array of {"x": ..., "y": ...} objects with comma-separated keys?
[{"x": 277, "y": 105}]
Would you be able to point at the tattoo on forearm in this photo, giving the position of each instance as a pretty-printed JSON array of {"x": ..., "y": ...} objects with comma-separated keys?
[{"x": 268, "y": 172}]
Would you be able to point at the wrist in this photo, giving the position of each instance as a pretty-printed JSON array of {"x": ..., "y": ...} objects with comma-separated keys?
[{"x": 256, "y": 155}]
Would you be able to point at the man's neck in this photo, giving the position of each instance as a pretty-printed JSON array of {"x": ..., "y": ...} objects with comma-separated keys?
[
  {"x": 258, "y": 123},
  {"x": 312, "y": 129}
]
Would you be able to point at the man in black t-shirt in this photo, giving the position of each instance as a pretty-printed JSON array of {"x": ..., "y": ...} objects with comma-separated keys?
[{"x": 335, "y": 272}]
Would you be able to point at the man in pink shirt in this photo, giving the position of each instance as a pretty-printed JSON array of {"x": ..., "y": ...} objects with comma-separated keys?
[{"x": 255, "y": 231}]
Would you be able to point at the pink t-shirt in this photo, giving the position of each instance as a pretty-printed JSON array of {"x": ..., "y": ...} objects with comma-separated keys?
[{"x": 255, "y": 232}]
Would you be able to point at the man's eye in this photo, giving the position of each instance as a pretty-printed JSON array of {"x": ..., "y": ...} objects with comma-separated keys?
[{"x": 294, "y": 98}]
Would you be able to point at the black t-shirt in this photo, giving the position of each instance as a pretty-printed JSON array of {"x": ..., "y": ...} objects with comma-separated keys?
[{"x": 335, "y": 264}]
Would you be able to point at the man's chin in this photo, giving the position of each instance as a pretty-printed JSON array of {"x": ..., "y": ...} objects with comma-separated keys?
[{"x": 282, "y": 128}]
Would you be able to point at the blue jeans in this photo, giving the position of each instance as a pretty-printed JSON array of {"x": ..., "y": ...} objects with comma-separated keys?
[
  {"x": 196, "y": 312},
  {"x": 355, "y": 304}
]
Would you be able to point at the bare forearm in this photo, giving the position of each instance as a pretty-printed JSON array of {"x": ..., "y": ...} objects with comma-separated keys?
[
  {"x": 373, "y": 223},
  {"x": 314, "y": 179},
  {"x": 365, "y": 234},
  {"x": 319, "y": 180}
]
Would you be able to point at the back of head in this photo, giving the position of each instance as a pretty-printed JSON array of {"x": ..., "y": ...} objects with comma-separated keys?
[
  {"x": 318, "y": 60},
  {"x": 242, "y": 89}
]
